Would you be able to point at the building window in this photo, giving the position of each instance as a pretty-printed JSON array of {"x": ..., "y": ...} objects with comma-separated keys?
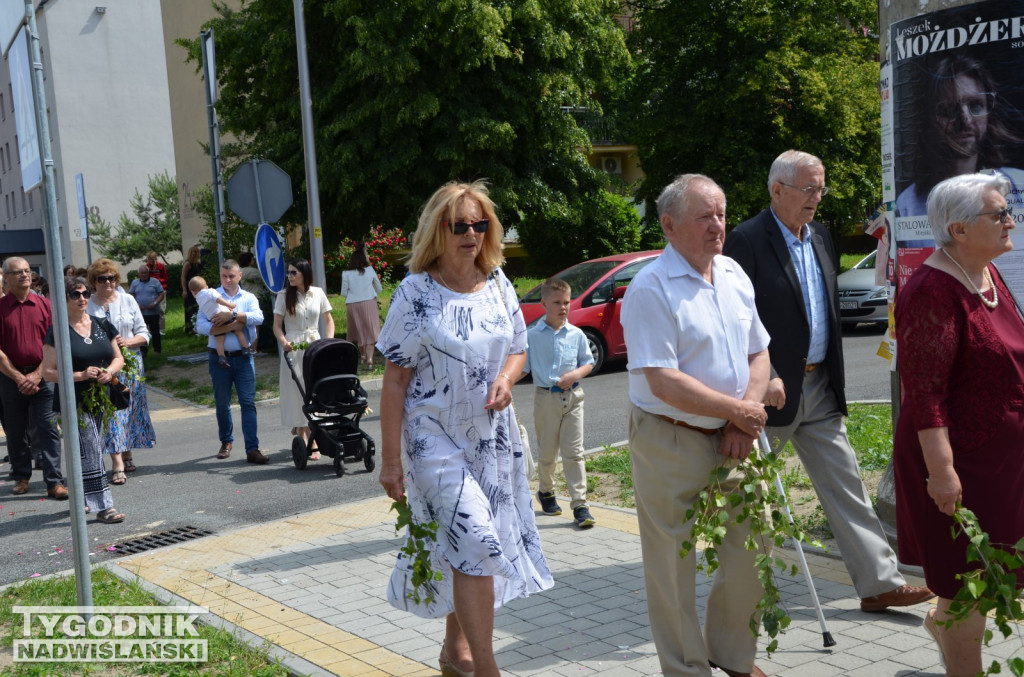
[
  {"x": 3, "y": 111},
  {"x": 7, "y": 203},
  {"x": 17, "y": 153},
  {"x": 31, "y": 205},
  {"x": 24, "y": 206}
]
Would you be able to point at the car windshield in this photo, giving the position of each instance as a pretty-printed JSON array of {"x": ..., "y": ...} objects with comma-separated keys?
[
  {"x": 867, "y": 262},
  {"x": 580, "y": 278}
]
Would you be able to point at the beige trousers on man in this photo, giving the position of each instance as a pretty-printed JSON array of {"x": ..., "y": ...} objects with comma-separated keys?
[
  {"x": 671, "y": 466},
  {"x": 558, "y": 419}
]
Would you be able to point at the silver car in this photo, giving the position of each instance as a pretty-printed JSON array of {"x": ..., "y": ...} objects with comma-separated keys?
[{"x": 860, "y": 299}]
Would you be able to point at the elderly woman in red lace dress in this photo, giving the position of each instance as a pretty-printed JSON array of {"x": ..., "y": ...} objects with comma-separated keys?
[{"x": 960, "y": 437}]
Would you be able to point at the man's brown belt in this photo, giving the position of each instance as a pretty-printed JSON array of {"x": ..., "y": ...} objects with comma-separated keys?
[
  {"x": 684, "y": 424},
  {"x": 811, "y": 367}
]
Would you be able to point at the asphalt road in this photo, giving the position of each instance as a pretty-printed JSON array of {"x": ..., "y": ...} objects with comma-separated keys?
[{"x": 180, "y": 482}]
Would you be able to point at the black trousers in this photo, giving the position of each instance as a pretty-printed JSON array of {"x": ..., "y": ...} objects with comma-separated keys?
[
  {"x": 18, "y": 410},
  {"x": 153, "y": 325}
]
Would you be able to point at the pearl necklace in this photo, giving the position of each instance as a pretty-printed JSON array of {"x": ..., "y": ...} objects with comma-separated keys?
[{"x": 986, "y": 275}]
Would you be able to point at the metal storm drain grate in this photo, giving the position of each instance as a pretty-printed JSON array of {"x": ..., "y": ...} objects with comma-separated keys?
[{"x": 159, "y": 540}]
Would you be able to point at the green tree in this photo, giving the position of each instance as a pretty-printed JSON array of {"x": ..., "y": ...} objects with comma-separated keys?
[
  {"x": 155, "y": 226},
  {"x": 408, "y": 95},
  {"x": 723, "y": 86}
]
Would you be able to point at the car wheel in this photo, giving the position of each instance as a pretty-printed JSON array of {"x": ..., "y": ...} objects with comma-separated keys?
[{"x": 597, "y": 349}]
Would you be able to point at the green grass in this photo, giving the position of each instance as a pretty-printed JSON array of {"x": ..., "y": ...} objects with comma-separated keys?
[
  {"x": 870, "y": 432},
  {"x": 847, "y": 261},
  {"x": 870, "y": 429},
  {"x": 228, "y": 656},
  {"x": 615, "y": 461}
]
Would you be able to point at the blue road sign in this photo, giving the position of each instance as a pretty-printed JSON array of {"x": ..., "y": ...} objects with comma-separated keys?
[{"x": 270, "y": 257}]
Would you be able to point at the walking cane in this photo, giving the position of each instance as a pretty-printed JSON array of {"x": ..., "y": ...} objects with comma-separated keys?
[{"x": 826, "y": 636}]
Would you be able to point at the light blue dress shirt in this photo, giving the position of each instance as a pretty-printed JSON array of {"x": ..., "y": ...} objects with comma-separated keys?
[
  {"x": 244, "y": 303},
  {"x": 550, "y": 353},
  {"x": 812, "y": 285}
]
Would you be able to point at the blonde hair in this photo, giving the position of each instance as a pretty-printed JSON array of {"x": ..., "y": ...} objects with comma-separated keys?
[
  {"x": 552, "y": 285},
  {"x": 428, "y": 242}
]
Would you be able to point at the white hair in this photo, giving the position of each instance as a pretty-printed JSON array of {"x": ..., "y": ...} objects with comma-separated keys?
[
  {"x": 959, "y": 200},
  {"x": 675, "y": 198},
  {"x": 785, "y": 167}
]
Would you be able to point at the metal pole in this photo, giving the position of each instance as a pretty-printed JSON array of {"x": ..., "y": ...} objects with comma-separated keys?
[
  {"x": 79, "y": 536},
  {"x": 259, "y": 193},
  {"x": 826, "y": 636},
  {"x": 206, "y": 42},
  {"x": 316, "y": 244}
]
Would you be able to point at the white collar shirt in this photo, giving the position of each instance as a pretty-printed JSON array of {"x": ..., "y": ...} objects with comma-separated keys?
[{"x": 675, "y": 319}]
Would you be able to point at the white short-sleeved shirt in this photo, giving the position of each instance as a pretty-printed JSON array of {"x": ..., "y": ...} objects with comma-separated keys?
[{"x": 673, "y": 318}]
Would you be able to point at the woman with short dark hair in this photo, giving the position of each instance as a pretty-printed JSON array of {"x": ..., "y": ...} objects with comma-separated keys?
[{"x": 95, "y": 357}]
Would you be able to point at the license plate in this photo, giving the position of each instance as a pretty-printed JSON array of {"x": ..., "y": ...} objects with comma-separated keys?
[{"x": 847, "y": 305}]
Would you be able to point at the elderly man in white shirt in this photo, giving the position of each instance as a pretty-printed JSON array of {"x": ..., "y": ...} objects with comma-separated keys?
[{"x": 698, "y": 369}]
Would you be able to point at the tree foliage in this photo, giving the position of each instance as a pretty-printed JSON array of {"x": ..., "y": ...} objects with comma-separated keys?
[
  {"x": 723, "y": 86},
  {"x": 410, "y": 94},
  {"x": 155, "y": 224}
]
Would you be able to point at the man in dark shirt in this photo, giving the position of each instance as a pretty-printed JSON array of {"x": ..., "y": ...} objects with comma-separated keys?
[{"x": 24, "y": 319}]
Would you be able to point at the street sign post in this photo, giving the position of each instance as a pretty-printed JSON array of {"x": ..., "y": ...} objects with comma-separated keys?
[
  {"x": 270, "y": 257},
  {"x": 260, "y": 192}
]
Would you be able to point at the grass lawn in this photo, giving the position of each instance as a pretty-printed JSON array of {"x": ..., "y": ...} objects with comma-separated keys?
[
  {"x": 610, "y": 479},
  {"x": 228, "y": 656}
]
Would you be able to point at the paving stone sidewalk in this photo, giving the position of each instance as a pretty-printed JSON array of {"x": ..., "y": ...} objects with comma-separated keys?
[{"x": 313, "y": 585}]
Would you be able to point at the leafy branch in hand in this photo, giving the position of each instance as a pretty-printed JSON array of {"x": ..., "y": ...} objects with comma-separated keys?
[
  {"x": 747, "y": 493},
  {"x": 991, "y": 589},
  {"x": 417, "y": 549},
  {"x": 96, "y": 401}
]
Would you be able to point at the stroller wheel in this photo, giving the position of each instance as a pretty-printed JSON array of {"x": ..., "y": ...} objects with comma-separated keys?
[
  {"x": 339, "y": 464},
  {"x": 368, "y": 456},
  {"x": 299, "y": 454}
]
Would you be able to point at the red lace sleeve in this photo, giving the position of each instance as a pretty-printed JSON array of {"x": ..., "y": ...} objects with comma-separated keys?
[{"x": 929, "y": 326}]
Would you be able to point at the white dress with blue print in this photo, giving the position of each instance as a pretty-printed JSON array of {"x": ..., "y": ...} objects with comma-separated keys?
[{"x": 463, "y": 464}]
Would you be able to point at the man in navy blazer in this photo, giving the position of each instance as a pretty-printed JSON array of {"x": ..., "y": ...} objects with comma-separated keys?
[{"x": 792, "y": 264}]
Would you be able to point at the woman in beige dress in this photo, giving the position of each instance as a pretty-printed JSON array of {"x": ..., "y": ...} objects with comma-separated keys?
[{"x": 297, "y": 314}]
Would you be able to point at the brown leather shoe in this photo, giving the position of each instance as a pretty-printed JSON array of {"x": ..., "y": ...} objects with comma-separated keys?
[
  {"x": 256, "y": 456},
  {"x": 905, "y": 595},
  {"x": 20, "y": 487},
  {"x": 225, "y": 450},
  {"x": 57, "y": 492},
  {"x": 754, "y": 672}
]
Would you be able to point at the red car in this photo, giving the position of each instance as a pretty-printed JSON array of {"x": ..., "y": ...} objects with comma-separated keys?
[{"x": 597, "y": 288}]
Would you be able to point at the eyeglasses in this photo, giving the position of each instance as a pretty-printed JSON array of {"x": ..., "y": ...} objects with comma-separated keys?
[
  {"x": 22, "y": 273},
  {"x": 809, "y": 190},
  {"x": 75, "y": 295},
  {"x": 460, "y": 227},
  {"x": 292, "y": 273},
  {"x": 1000, "y": 215},
  {"x": 106, "y": 278},
  {"x": 977, "y": 106}
]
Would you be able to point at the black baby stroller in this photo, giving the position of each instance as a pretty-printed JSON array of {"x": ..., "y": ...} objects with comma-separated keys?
[{"x": 333, "y": 403}]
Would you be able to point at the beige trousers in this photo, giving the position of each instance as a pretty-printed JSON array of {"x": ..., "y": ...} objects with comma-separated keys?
[
  {"x": 671, "y": 466},
  {"x": 558, "y": 419}
]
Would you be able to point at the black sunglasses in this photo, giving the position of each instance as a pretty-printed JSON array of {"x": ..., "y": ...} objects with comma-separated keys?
[
  {"x": 106, "y": 278},
  {"x": 75, "y": 295},
  {"x": 460, "y": 227}
]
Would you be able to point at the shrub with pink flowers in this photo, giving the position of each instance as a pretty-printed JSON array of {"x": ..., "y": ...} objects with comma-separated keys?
[{"x": 378, "y": 241}]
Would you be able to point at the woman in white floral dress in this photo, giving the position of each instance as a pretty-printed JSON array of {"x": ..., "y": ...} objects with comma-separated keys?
[{"x": 454, "y": 340}]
